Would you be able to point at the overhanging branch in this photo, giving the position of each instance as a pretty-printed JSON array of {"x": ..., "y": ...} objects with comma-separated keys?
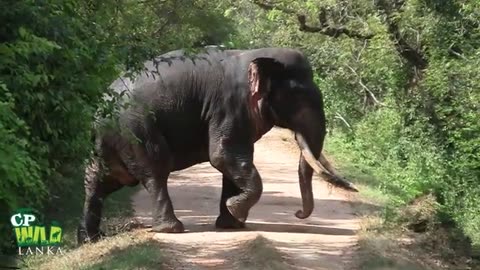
[
  {"x": 325, "y": 28},
  {"x": 329, "y": 30},
  {"x": 414, "y": 56},
  {"x": 270, "y": 6},
  {"x": 388, "y": 7}
]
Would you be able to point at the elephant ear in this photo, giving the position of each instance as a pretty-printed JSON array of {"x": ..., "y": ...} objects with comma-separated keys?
[{"x": 260, "y": 73}]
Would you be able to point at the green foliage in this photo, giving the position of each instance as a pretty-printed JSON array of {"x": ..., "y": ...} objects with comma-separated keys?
[
  {"x": 404, "y": 101},
  {"x": 404, "y": 167},
  {"x": 57, "y": 59},
  {"x": 145, "y": 255},
  {"x": 401, "y": 94}
]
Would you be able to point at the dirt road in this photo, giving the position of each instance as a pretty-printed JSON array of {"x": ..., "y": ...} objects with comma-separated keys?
[{"x": 326, "y": 240}]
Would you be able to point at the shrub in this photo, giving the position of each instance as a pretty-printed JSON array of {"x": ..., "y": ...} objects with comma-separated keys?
[{"x": 57, "y": 59}]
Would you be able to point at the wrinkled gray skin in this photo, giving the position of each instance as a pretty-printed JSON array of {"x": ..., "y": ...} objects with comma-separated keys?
[{"x": 211, "y": 107}]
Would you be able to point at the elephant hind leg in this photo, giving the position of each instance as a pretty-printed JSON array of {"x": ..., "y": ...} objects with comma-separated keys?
[
  {"x": 98, "y": 185},
  {"x": 152, "y": 166}
]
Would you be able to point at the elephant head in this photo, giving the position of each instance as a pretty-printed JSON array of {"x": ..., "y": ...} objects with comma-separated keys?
[{"x": 283, "y": 93}]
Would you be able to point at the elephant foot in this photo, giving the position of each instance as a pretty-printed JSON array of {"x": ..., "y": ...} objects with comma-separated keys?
[
  {"x": 168, "y": 227},
  {"x": 84, "y": 237},
  {"x": 238, "y": 212},
  {"x": 228, "y": 222}
]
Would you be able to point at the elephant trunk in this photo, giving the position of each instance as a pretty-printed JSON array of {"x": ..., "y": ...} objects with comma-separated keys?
[
  {"x": 309, "y": 163},
  {"x": 305, "y": 174}
]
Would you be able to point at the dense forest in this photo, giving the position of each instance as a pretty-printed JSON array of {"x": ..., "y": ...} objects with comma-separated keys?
[{"x": 400, "y": 80}]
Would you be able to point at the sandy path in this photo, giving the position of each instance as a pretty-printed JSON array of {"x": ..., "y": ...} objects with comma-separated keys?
[{"x": 325, "y": 240}]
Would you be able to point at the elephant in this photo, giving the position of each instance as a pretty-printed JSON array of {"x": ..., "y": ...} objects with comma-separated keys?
[{"x": 209, "y": 107}]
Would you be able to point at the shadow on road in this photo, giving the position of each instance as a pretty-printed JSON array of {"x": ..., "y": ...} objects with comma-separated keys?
[
  {"x": 275, "y": 227},
  {"x": 196, "y": 205}
]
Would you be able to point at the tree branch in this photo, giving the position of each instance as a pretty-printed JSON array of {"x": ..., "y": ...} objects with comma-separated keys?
[
  {"x": 409, "y": 53},
  {"x": 370, "y": 93},
  {"x": 414, "y": 56},
  {"x": 367, "y": 90},
  {"x": 325, "y": 28},
  {"x": 270, "y": 6},
  {"x": 339, "y": 116},
  {"x": 328, "y": 30}
]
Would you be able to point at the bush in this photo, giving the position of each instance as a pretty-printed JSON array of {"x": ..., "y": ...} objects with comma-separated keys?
[
  {"x": 408, "y": 163},
  {"x": 57, "y": 59},
  {"x": 400, "y": 81}
]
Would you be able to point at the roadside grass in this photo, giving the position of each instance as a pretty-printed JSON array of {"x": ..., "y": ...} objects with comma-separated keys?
[
  {"x": 117, "y": 209},
  {"x": 130, "y": 250},
  {"x": 387, "y": 239},
  {"x": 362, "y": 177},
  {"x": 384, "y": 246},
  {"x": 146, "y": 255},
  {"x": 381, "y": 250},
  {"x": 260, "y": 253},
  {"x": 117, "y": 212}
]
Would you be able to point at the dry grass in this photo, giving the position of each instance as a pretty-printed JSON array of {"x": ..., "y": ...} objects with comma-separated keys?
[
  {"x": 382, "y": 250},
  {"x": 413, "y": 236},
  {"x": 260, "y": 253},
  {"x": 395, "y": 246},
  {"x": 133, "y": 250},
  {"x": 138, "y": 250}
]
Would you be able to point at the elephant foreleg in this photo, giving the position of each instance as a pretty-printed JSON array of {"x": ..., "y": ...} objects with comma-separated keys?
[
  {"x": 225, "y": 220},
  {"x": 245, "y": 177}
]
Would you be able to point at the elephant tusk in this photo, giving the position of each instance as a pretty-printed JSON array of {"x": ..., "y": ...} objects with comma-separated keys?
[{"x": 320, "y": 169}]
